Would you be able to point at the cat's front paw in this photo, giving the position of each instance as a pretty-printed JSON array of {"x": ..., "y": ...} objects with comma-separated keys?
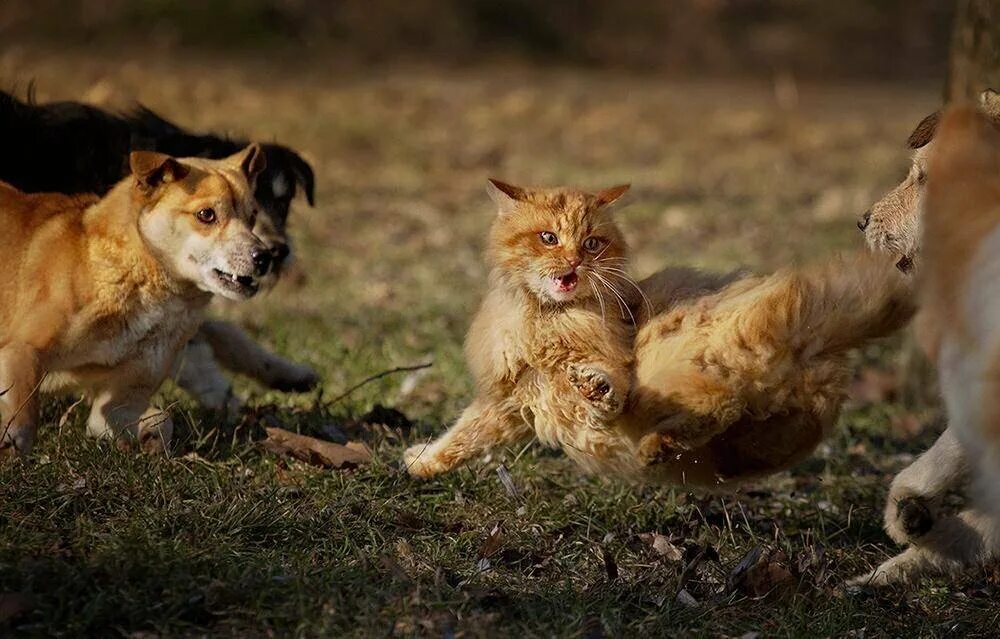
[
  {"x": 421, "y": 461},
  {"x": 595, "y": 385}
]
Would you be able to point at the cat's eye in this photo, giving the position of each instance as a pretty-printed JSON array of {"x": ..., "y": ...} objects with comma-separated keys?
[
  {"x": 206, "y": 216},
  {"x": 548, "y": 238},
  {"x": 594, "y": 244}
]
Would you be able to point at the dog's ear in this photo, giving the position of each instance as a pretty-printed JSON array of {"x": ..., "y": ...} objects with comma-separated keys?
[
  {"x": 251, "y": 161},
  {"x": 303, "y": 176},
  {"x": 152, "y": 169},
  {"x": 505, "y": 196},
  {"x": 924, "y": 132},
  {"x": 612, "y": 195}
]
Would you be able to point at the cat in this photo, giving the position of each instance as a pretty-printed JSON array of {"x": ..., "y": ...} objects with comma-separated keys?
[
  {"x": 685, "y": 377},
  {"x": 959, "y": 329}
]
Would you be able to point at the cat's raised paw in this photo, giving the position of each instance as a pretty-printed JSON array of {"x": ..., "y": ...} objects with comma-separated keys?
[
  {"x": 595, "y": 385},
  {"x": 421, "y": 462}
]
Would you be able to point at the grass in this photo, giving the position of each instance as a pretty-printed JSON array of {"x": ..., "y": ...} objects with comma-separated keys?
[{"x": 224, "y": 539}]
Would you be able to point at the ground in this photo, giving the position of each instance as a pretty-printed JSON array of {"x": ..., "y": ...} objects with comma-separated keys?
[{"x": 225, "y": 539}]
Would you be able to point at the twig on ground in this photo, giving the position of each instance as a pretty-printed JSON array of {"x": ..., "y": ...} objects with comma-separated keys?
[{"x": 372, "y": 378}]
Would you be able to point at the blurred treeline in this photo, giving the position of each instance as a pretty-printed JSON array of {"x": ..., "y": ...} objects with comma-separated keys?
[{"x": 846, "y": 38}]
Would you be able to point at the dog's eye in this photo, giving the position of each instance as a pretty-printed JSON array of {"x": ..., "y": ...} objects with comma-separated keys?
[
  {"x": 594, "y": 244},
  {"x": 206, "y": 216},
  {"x": 548, "y": 238}
]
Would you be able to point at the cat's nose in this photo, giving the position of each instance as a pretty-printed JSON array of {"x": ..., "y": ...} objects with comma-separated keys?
[{"x": 574, "y": 261}]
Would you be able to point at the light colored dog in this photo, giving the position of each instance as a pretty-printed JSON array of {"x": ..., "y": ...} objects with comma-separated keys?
[
  {"x": 101, "y": 294},
  {"x": 959, "y": 328}
]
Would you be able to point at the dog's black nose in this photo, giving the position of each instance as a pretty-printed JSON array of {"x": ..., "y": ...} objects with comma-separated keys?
[
  {"x": 864, "y": 219},
  {"x": 280, "y": 253},
  {"x": 261, "y": 260}
]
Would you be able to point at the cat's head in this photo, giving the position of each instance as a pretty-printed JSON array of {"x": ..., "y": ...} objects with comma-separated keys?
[{"x": 562, "y": 245}]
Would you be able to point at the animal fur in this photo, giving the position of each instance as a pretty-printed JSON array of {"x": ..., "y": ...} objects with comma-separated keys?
[
  {"x": 720, "y": 378},
  {"x": 893, "y": 225},
  {"x": 74, "y": 148},
  {"x": 960, "y": 318},
  {"x": 102, "y": 293}
]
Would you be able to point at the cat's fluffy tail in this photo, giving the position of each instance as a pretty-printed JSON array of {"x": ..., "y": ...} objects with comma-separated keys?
[
  {"x": 826, "y": 308},
  {"x": 764, "y": 347}
]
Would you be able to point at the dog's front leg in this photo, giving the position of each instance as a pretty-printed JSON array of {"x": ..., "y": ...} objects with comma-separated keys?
[
  {"x": 123, "y": 412},
  {"x": 20, "y": 378},
  {"x": 200, "y": 375}
]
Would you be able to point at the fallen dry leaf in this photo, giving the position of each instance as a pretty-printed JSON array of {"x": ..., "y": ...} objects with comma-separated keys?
[
  {"x": 490, "y": 546},
  {"x": 315, "y": 451},
  {"x": 761, "y": 572},
  {"x": 610, "y": 565},
  {"x": 662, "y": 545}
]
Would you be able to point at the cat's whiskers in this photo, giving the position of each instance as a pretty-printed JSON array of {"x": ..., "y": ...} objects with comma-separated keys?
[
  {"x": 622, "y": 304},
  {"x": 600, "y": 300},
  {"x": 621, "y": 274}
]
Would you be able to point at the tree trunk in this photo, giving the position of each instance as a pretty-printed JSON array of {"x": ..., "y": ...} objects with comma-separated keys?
[{"x": 974, "y": 63}]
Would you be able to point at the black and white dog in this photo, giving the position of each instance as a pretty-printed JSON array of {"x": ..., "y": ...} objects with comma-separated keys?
[{"x": 70, "y": 147}]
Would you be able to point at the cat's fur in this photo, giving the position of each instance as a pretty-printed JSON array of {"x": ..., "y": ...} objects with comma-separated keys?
[
  {"x": 960, "y": 330},
  {"x": 724, "y": 378}
]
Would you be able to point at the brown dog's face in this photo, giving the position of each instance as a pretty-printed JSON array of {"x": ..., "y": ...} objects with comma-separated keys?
[
  {"x": 198, "y": 217},
  {"x": 893, "y": 224}
]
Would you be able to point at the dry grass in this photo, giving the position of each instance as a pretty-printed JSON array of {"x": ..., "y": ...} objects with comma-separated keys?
[{"x": 228, "y": 541}]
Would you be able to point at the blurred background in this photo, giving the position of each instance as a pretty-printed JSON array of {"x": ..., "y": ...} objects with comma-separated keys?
[{"x": 883, "y": 39}]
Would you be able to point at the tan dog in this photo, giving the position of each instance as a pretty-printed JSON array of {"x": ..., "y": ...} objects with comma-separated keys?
[
  {"x": 102, "y": 294},
  {"x": 960, "y": 330},
  {"x": 893, "y": 223}
]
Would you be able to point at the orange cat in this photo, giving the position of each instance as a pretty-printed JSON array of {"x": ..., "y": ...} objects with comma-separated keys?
[{"x": 723, "y": 379}]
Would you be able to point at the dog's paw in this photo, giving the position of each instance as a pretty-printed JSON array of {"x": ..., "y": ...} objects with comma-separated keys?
[
  {"x": 295, "y": 378},
  {"x": 908, "y": 518},
  {"x": 595, "y": 385},
  {"x": 421, "y": 462},
  {"x": 16, "y": 441}
]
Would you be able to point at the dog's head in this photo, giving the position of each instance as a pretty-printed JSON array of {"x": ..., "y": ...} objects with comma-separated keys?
[
  {"x": 277, "y": 186},
  {"x": 197, "y": 216},
  {"x": 893, "y": 223}
]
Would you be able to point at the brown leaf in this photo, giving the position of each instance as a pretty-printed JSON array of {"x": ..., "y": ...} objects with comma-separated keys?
[
  {"x": 490, "y": 547},
  {"x": 761, "y": 572},
  {"x": 663, "y": 546},
  {"x": 12, "y": 605},
  {"x": 315, "y": 451}
]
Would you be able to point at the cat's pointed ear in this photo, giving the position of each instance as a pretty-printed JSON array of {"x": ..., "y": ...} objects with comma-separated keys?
[
  {"x": 505, "y": 196},
  {"x": 611, "y": 195}
]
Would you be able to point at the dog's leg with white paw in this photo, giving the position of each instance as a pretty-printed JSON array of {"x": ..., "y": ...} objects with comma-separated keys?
[
  {"x": 20, "y": 375},
  {"x": 239, "y": 353},
  {"x": 124, "y": 413},
  {"x": 200, "y": 375},
  {"x": 911, "y": 508}
]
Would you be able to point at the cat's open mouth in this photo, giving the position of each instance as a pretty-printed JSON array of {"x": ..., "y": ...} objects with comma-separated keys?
[{"x": 567, "y": 282}]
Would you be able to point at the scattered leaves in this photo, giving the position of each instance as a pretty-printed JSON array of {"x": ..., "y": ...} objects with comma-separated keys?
[
  {"x": 761, "y": 572},
  {"x": 490, "y": 547}
]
